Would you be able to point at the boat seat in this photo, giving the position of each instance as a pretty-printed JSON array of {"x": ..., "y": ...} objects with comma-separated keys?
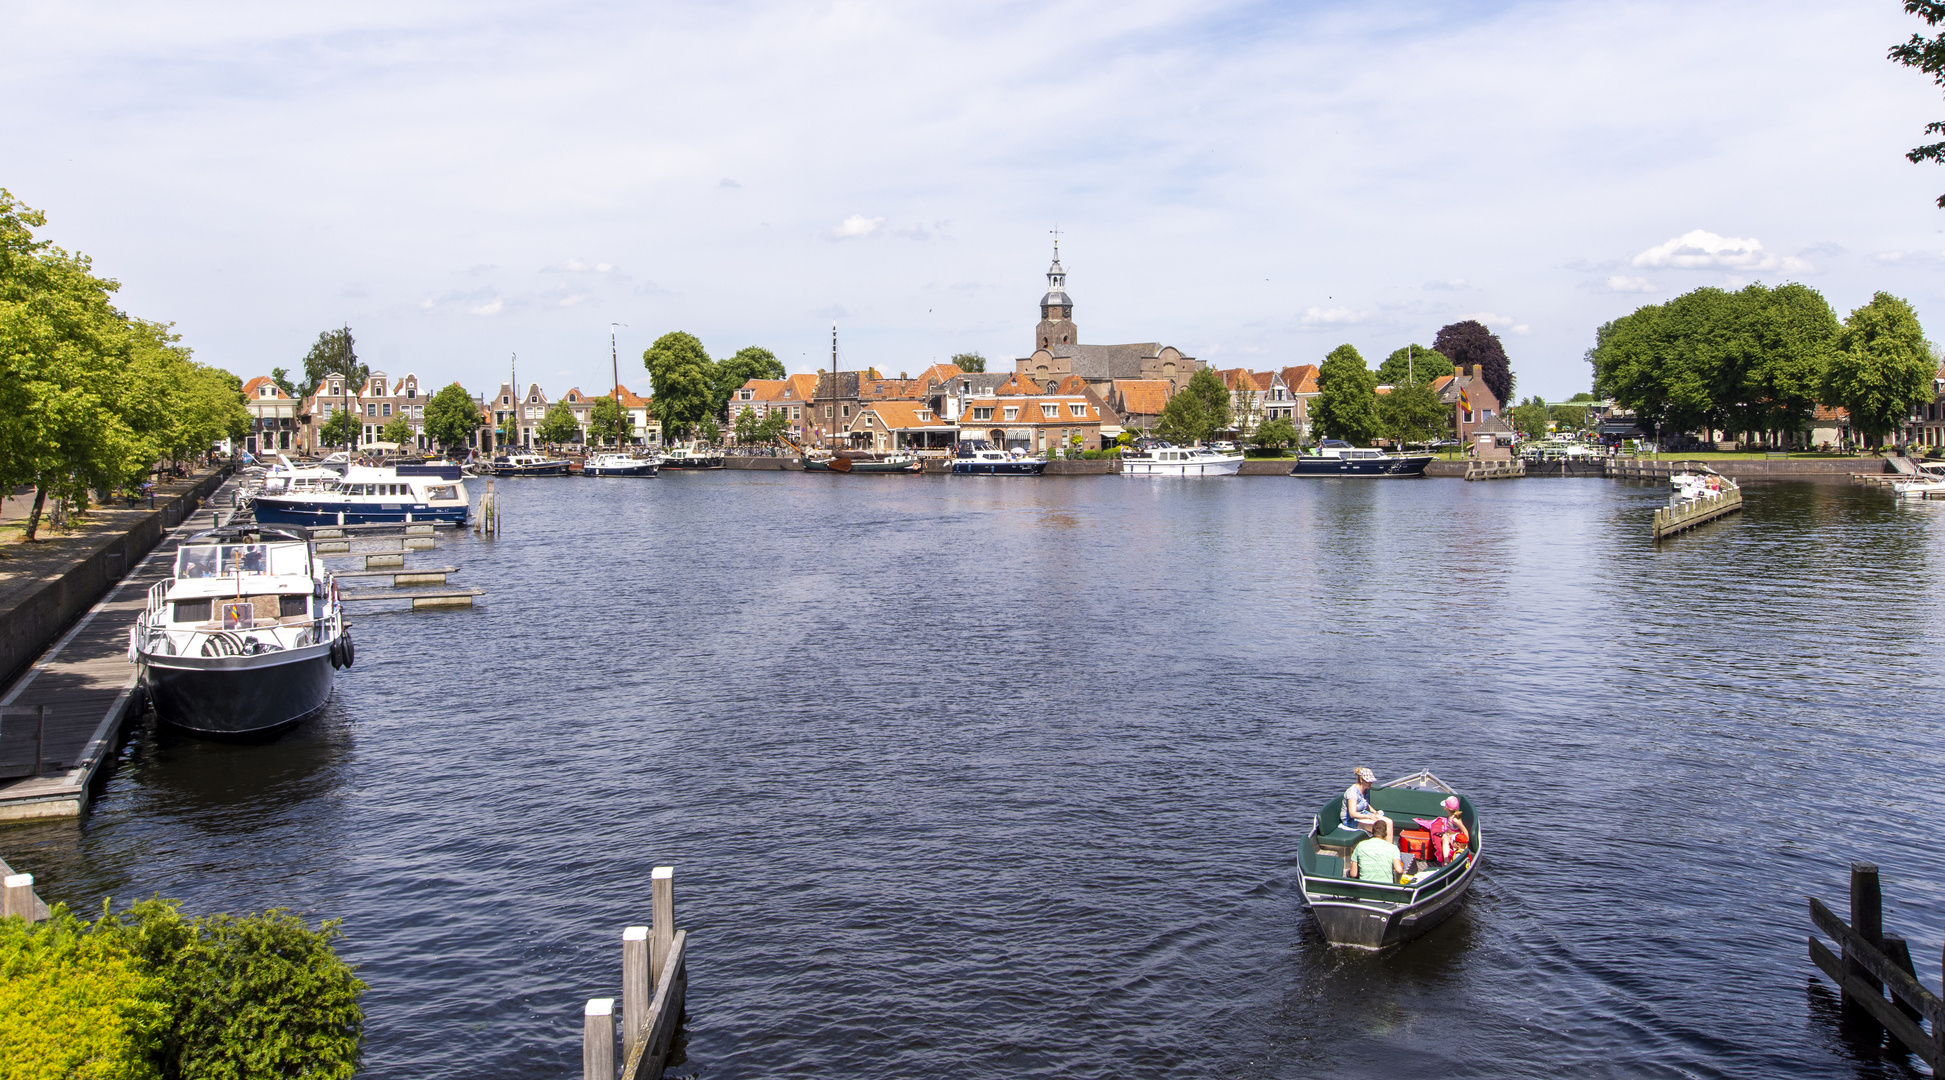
[
  {"x": 1331, "y": 834},
  {"x": 1328, "y": 866}
]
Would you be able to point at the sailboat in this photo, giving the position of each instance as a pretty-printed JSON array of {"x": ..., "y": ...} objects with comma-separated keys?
[{"x": 857, "y": 461}]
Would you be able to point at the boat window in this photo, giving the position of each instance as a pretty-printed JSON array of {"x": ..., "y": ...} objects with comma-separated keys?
[
  {"x": 442, "y": 493},
  {"x": 291, "y": 604},
  {"x": 192, "y": 610},
  {"x": 196, "y": 562},
  {"x": 290, "y": 560}
]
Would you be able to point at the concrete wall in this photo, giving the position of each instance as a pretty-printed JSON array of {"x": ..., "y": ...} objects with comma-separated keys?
[
  {"x": 1799, "y": 468},
  {"x": 43, "y": 612},
  {"x": 763, "y": 464}
]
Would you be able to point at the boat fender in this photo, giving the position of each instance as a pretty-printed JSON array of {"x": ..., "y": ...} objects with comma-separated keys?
[
  {"x": 134, "y": 654},
  {"x": 350, "y": 651},
  {"x": 337, "y": 653}
]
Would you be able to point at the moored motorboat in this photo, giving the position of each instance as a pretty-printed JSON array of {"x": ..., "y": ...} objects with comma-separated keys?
[
  {"x": 1334, "y": 457},
  {"x": 1371, "y": 915},
  {"x": 1166, "y": 459},
  {"x": 367, "y": 496},
  {"x": 617, "y": 464},
  {"x": 527, "y": 465},
  {"x": 242, "y": 639},
  {"x": 689, "y": 456},
  {"x": 978, "y": 458}
]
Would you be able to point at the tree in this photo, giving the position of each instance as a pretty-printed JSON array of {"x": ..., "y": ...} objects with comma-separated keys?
[
  {"x": 451, "y": 417},
  {"x": 1927, "y": 54},
  {"x": 1346, "y": 406},
  {"x": 772, "y": 427},
  {"x": 335, "y": 353},
  {"x": 1468, "y": 343},
  {"x": 710, "y": 431},
  {"x": 1568, "y": 417},
  {"x": 340, "y": 428},
  {"x": 1413, "y": 363},
  {"x": 1412, "y": 413},
  {"x": 969, "y": 362},
  {"x": 281, "y": 376},
  {"x": 559, "y": 425},
  {"x": 681, "y": 374},
  {"x": 1882, "y": 369},
  {"x": 607, "y": 422},
  {"x": 746, "y": 425},
  {"x": 1530, "y": 418},
  {"x": 1197, "y": 411},
  {"x": 729, "y": 375},
  {"x": 398, "y": 430},
  {"x": 1275, "y": 434}
]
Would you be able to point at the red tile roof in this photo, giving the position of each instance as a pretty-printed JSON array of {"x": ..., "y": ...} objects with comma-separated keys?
[{"x": 1142, "y": 397}]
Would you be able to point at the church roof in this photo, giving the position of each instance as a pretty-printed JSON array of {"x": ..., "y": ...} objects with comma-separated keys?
[
  {"x": 1101, "y": 363},
  {"x": 1142, "y": 397},
  {"x": 1056, "y": 298}
]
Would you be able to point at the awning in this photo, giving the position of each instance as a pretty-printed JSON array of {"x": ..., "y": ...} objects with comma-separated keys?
[{"x": 1019, "y": 433}]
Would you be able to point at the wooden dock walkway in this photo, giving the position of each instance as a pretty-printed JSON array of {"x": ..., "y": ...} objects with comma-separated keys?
[
  {"x": 1670, "y": 520},
  {"x": 1495, "y": 470},
  {"x": 89, "y": 687}
]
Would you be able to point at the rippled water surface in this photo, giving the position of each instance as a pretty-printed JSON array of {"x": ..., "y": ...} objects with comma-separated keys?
[{"x": 1005, "y": 777}]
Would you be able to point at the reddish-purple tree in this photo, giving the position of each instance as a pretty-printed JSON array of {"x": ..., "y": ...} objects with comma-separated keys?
[{"x": 1468, "y": 343}]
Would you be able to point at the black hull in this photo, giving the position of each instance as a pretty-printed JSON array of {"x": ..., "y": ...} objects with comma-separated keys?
[
  {"x": 698, "y": 466},
  {"x": 1323, "y": 466},
  {"x": 999, "y": 468},
  {"x": 552, "y": 469},
  {"x": 239, "y": 696},
  {"x": 1377, "y": 926}
]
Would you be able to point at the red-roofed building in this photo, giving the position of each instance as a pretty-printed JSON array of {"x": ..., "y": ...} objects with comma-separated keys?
[
  {"x": 274, "y": 417},
  {"x": 1034, "y": 423},
  {"x": 886, "y": 426}
]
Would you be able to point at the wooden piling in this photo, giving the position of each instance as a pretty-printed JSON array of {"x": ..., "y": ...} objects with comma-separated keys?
[
  {"x": 1867, "y": 919},
  {"x": 17, "y": 896},
  {"x": 598, "y": 1040},
  {"x": 662, "y": 886},
  {"x": 636, "y": 986},
  {"x": 1898, "y": 951}
]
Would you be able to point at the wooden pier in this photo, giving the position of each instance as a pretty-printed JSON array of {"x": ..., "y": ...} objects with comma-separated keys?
[
  {"x": 1670, "y": 520},
  {"x": 17, "y": 896},
  {"x": 88, "y": 688},
  {"x": 428, "y": 575},
  {"x": 654, "y": 980},
  {"x": 1495, "y": 470},
  {"x": 421, "y": 598},
  {"x": 1871, "y": 962}
]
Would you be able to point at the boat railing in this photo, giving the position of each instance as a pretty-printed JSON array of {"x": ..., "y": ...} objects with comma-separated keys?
[{"x": 148, "y": 634}]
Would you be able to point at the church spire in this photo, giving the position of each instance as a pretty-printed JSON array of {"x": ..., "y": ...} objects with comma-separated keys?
[{"x": 1056, "y": 309}]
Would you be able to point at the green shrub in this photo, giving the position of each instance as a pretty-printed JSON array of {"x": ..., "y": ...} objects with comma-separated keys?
[
  {"x": 147, "y": 994},
  {"x": 74, "y": 1004}
]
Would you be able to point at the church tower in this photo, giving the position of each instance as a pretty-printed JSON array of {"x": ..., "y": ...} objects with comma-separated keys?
[{"x": 1056, "y": 310}]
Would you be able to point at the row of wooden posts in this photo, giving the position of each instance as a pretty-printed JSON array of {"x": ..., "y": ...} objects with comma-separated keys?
[
  {"x": 1872, "y": 962},
  {"x": 654, "y": 979}
]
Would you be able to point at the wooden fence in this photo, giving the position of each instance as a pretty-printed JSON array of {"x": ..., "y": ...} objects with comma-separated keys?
[
  {"x": 1871, "y": 962},
  {"x": 654, "y": 979}
]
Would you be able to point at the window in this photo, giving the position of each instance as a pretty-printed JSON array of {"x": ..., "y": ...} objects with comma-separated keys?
[
  {"x": 371, "y": 409},
  {"x": 1077, "y": 411},
  {"x": 827, "y": 412},
  {"x": 982, "y": 414},
  {"x": 327, "y": 411},
  {"x": 795, "y": 412},
  {"x": 418, "y": 410},
  {"x": 505, "y": 400},
  {"x": 749, "y": 395},
  {"x": 846, "y": 411},
  {"x": 1012, "y": 412},
  {"x": 1050, "y": 412},
  {"x": 388, "y": 408}
]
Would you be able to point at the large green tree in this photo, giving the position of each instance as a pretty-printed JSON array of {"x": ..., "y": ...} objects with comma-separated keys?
[
  {"x": 1882, "y": 369},
  {"x": 1412, "y": 412},
  {"x": 607, "y": 422},
  {"x": 683, "y": 379},
  {"x": 451, "y": 417},
  {"x": 1346, "y": 406},
  {"x": 746, "y": 426},
  {"x": 398, "y": 430},
  {"x": 1275, "y": 434},
  {"x": 1927, "y": 54},
  {"x": 1412, "y": 363},
  {"x": 340, "y": 428},
  {"x": 772, "y": 427},
  {"x": 969, "y": 361},
  {"x": 1197, "y": 411},
  {"x": 729, "y": 374},
  {"x": 559, "y": 425},
  {"x": 335, "y": 353},
  {"x": 1530, "y": 417}
]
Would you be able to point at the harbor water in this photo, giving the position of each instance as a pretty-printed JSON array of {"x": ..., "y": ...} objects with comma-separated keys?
[{"x": 1005, "y": 777}]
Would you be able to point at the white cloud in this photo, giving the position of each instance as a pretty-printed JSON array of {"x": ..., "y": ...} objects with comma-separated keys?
[
  {"x": 726, "y": 182},
  {"x": 1700, "y": 249},
  {"x": 856, "y": 226},
  {"x": 1618, "y": 283},
  {"x": 1335, "y": 316},
  {"x": 1454, "y": 285},
  {"x": 1490, "y": 319},
  {"x": 492, "y": 307},
  {"x": 576, "y": 266}
]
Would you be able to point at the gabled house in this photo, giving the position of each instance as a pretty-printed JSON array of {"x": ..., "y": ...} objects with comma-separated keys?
[
  {"x": 1471, "y": 400},
  {"x": 887, "y": 426},
  {"x": 1139, "y": 402},
  {"x": 1032, "y": 423},
  {"x": 274, "y": 423}
]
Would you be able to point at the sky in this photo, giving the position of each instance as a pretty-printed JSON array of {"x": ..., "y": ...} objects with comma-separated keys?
[{"x": 1253, "y": 183}]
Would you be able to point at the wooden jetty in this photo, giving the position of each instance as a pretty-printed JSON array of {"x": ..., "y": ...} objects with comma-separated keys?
[
  {"x": 88, "y": 688},
  {"x": 408, "y": 528},
  {"x": 428, "y": 575},
  {"x": 654, "y": 980},
  {"x": 17, "y": 896},
  {"x": 1670, "y": 520},
  {"x": 1870, "y": 962},
  {"x": 421, "y": 598},
  {"x": 1495, "y": 470}
]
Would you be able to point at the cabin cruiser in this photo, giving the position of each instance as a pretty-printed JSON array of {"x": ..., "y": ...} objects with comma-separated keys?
[
  {"x": 616, "y": 464},
  {"x": 977, "y": 457},
  {"x": 243, "y": 638},
  {"x": 1164, "y": 459},
  {"x": 368, "y": 496},
  {"x": 692, "y": 456},
  {"x": 527, "y": 465},
  {"x": 1335, "y": 457}
]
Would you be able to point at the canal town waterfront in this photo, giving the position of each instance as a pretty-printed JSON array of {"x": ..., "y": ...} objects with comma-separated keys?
[{"x": 990, "y": 777}]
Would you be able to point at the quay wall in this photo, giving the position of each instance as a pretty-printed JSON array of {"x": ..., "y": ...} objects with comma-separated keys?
[
  {"x": 763, "y": 464},
  {"x": 1800, "y": 469},
  {"x": 34, "y": 617}
]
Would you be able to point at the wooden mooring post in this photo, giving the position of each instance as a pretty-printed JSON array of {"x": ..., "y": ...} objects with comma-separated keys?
[
  {"x": 1871, "y": 963},
  {"x": 486, "y": 520},
  {"x": 654, "y": 980}
]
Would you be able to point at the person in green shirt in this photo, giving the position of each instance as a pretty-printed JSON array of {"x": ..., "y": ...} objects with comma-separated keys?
[{"x": 1376, "y": 860}]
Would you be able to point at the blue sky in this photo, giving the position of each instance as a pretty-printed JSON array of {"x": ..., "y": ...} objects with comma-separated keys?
[{"x": 1253, "y": 183}]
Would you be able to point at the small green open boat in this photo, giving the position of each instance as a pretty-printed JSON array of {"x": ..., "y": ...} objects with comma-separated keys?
[{"x": 1351, "y": 912}]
